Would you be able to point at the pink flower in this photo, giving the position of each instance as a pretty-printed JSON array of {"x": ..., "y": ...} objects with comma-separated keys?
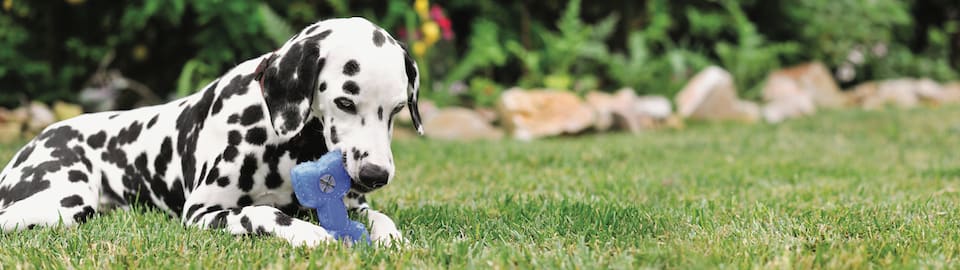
[{"x": 436, "y": 13}]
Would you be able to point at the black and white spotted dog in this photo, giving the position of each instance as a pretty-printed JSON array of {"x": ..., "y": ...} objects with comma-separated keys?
[{"x": 221, "y": 158}]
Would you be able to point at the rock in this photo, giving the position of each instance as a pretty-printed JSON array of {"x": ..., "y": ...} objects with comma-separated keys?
[
  {"x": 400, "y": 133},
  {"x": 652, "y": 112},
  {"x": 40, "y": 117},
  {"x": 812, "y": 78},
  {"x": 19, "y": 115},
  {"x": 624, "y": 110},
  {"x": 427, "y": 109},
  {"x": 487, "y": 113},
  {"x": 606, "y": 107},
  {"x": 902, "y": 93},
  {"x": 951, "y": 93},
  {"x": 656, "y": 107},
  {"x": 460, "y": 124},
  {"x": 540, "y": 113},
  {"x": 782, "y": 109},
  {"x": 10, "y": 132},
  {"x": 786, "y": 99},
  {"x": 64, "y": 111},
  {"x": 711, "y": 95},
  {"x": 5, "y": 115}
]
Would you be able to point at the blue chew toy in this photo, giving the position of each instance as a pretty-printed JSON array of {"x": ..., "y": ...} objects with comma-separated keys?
[{"x": 321, "y": 185}]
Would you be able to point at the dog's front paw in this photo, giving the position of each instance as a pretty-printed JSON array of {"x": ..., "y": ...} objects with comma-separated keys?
[
  {"x": 382, "y": 229},
  {"x": 386, "y": 237},
  {"x": 302, "y": 233}
]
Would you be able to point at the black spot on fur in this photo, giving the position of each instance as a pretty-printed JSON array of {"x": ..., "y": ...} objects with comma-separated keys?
[
  {"x": 113, "y": 116},
  {"x": 213, "y": 175},
  {"x": 309, "y": 146},
  {"x": 134, "y": 180},
  {"x": 96, "y": 141},
  {"x": 210, "y": 209},
  {"x": 112, "y": 194},
  {"x": 380, "y": 113},
  {"x": 245, "y": 222},
  {"x": 71, "y": 201},
  {"x": 256, "y": 136},
  {"x": 153, "y": 121},
  {"x": 175, "y": 197},
  {"x": 247, "y": 170},
  {"x": 244, "y": 200},
  {"x": 378, "y": 38},
  {"x": 219, "y": 221},
  {"x": 286, "y": 96},
  {"x": 351, "y": 68},
  {"x": 251, "y": 115},
  {"x": 363, "y": 121},
  {"x": 84, "y": 214},
  {"x": 283, "y": 219},
  {"x": 24, "y": 154},
  {"x": 33, "y": 178},
  {"x": 193, "y": 209},
  {"x": 223, "y": 181},
  {"x": 59, "y": 137},
  {"x": 77, "y": 176},
  {"x": 311, "y": 29},
  {"x": 321, "y": 36},
  {"x": 350, "y": 87},
  {"x": 114, "y": 155},
  {"x": 411, "y": 69},
  {"x": 333, "y": 135},
  {"x": 129, "y": 134},
  {"x": 273, "y": 180},
  {"x": 271, "y": 156},
  {"x": 188, "y": 126},
  {"x": 230, "y": 153},
  {"x": 194, "y": 184},
  {"x": 165, "y": 156},
  {"x": 237, "y": 86},
  {"x": 234, "y": 137},
  {"x": 293, "y": 118},
  {"x": 233, "y": 119}
]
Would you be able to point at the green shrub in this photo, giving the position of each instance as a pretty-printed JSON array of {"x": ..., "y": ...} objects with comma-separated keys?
[{"x": 51, "y": 48}]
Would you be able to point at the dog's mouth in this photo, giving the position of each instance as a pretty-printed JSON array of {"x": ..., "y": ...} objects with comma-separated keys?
[
  {"x": 360, "y": 187},
  {"x": 355, "y": 185}
]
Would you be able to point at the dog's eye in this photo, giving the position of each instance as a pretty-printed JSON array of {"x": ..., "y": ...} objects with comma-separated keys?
[{"x": 346, "y": 105}]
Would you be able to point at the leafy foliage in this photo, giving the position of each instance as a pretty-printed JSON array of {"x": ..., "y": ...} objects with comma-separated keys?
[
  {"x": 568, "y": 57},
  {"x": 52, "y": 48},
  {"x": 752, "y": 57}
]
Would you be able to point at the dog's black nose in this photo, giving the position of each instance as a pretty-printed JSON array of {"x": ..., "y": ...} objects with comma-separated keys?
[{"x": 373, "y": 176}]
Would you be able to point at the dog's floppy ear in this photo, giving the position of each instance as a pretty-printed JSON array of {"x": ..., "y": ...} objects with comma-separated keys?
[
  {"x": 289, "y": 82},
  {"x": 413, "y": 90}
]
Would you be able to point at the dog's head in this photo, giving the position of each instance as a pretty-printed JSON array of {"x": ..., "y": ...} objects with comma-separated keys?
[{"x": 353, "y": 78}]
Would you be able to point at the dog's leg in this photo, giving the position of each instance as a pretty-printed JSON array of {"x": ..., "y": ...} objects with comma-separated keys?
[
  {"x": 48, "y": 193},
  {"x": 382, "y": 228},
  {"x": 255, "y": 220}
]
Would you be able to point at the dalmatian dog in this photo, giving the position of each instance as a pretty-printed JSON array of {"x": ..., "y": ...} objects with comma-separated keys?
[{"x": 221, "y": 158}]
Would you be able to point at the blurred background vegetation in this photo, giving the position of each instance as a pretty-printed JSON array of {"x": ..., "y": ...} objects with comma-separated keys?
[{"x": 152, "y": 50}]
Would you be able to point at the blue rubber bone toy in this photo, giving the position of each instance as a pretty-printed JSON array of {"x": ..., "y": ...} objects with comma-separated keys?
[{"x": 321, "y": 185}]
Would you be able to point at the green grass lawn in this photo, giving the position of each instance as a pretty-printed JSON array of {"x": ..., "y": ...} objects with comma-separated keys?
[{"x": 843, "y": 190}]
